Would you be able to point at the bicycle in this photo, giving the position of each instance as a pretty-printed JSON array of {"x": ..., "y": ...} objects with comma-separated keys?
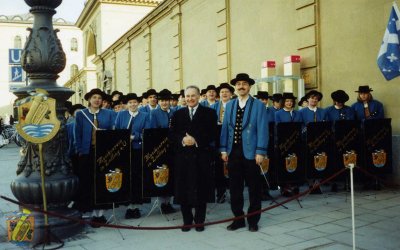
[{"x": 10, "y": 134}]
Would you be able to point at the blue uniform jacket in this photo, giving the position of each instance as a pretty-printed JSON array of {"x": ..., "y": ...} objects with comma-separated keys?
[
  {"x": 83, "y": 128},
  {"x": 271, "y": 113},
  {"x": 160, "y": 118},
  {"x": 216, "y": 106},
  {"x": 284, "y": 116},
  {"x": 147, "y": 109},
  {"x": 140, "y": 122},
  {"x": 254, "y": 132},
  {"x": 307, "y": 115},
  {"x": 334, "y": 114},
  {"x": 205, "y": 103},
  {"x": 375, "y": 110}
]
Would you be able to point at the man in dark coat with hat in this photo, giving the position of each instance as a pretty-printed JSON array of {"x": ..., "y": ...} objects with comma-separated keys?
[
  {"x": 243, "y": 145},
  {"x": 339, "y": 111},
  {"x": 366, "y": 107},
  {"x": 211, "y": 94},
  {"x": 192, "y": 133}
]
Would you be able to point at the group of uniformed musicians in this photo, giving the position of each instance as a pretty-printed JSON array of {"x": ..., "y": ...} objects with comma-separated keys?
[{"x": 208, "y": 129}]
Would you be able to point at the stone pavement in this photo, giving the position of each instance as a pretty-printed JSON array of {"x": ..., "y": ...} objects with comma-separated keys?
[{"x": 324, "y": 222}]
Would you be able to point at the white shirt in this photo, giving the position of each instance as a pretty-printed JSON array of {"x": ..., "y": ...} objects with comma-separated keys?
[
  {"x": 312, "y": 109},
  {"x": 134, "y": 114},
  {"x": 242, "y": 101}
]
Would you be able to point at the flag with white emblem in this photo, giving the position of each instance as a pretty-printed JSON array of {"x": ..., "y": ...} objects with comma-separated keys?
[{"x": 389, "y": 53}]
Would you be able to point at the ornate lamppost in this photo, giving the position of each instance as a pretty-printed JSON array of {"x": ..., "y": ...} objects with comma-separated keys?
[{"x": 42, "y": 59}]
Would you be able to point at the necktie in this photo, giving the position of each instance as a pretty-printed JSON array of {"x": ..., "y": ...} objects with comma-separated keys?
[
  {"x": 96, "y": 123},
  {"x": 315, "y": 116},
  {"x": 191, "y": 113}
]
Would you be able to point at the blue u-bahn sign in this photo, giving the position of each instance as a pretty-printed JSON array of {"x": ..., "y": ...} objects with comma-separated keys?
[
  {"x": 14, "y": 56},
  {"x": 16, "y": 73}
]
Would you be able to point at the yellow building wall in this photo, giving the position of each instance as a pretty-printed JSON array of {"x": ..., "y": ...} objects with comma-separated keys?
[
  {"x": 139, "y": 64},
  {"x": 122, "y": 68},
  {"x": 261, "y": 30},
  {"x": 351, "y": 34},
  {"x": 163, "y": 54},
  {"x": 199, "y": 43}
]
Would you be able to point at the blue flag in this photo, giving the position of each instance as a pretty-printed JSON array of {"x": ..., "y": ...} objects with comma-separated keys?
[{"x": 389, "y": 53}]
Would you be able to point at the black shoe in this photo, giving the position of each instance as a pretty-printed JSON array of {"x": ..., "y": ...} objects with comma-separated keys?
[
  {"x": 199, "y": 229},
  {"x": 236, "y": 225},
  {"x": 132, "y": 213},
  {"x": 334, "y": 188},
  {"x": 167, "y": 208},
  {"x": 253, "y": 228},
  {"x": 98, "y": 220},
  {"x": 186, "y": 229}
]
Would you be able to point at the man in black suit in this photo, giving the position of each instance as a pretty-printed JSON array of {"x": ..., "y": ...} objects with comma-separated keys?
[{"x": 192, "y": 133}]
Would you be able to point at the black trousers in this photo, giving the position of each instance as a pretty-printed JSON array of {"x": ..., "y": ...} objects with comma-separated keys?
[
  {"x": 242, "y": 170},
  {"x": 198, "y": 217}
]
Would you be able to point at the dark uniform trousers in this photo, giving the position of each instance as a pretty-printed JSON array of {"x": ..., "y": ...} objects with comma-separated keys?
[
  {"x": 243, "y": 170},
  {"x": 199, "y": 216}
]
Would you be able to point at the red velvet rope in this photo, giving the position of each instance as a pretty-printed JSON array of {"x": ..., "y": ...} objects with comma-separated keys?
[{"x": 80, "y": 221}]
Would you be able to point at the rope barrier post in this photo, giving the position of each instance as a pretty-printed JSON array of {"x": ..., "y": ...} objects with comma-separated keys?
[{"x": 351, "y": 167}]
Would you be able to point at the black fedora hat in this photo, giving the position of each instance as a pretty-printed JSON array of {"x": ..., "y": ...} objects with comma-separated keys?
[
  {"x": 262, "y": 95},
  {"x": 144, "y": 95},
  {"x": 288, "y": 95},
  {"x": 164, "y": 94},
  {"x": 314, "y": 93},
  {"x": 225, "y": 85},
  {"x": 302, "y": 100},
  {"x": 242, "y": 77},
  {"x": 211, "y": 87},
  {"x": 95, "y": 91},
  {"x": 364, "y": 89},
  {"x": 340, "y": 96},
  {"x": 182, "y": 92},
  {"x": 75, "y": 107},
  {"x": 151, "y": 92},
  {"x": 107, "y": 97},
  {"x": 131, "y": 96},
  {"x": 203, "y": 92},
  {"x": 175, "y": 96},
  {"x": 276, "y": 97},
  {"x": 116, "y": 92}
]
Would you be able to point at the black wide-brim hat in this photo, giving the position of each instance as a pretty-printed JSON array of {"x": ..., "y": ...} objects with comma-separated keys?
[
  {"x": 175, "y": 97},
  {"x": 75, "y": 107},
  {"x": 211, "y": 87},
  {"x": 303, "y": 99},
  {"x": 151, "y": 92},
  {"x": 203, "y": 92},
  {"x": 288, "y": 95},
  {"x": 131, "y": 96},
  {"x": 164, "y": 94},
  {"x": 340, "y": 96},
  {"x": 364, "y": 89},
  {"x": 115, "y": 92},
  {"x": 314, "y": 93},
  {"x": 182, "y": 92},
  {"x": 262, "y": 95},
  {"x": 225, "y": 85},
  {"x": 242, "y": 77},
  {"x": 276, "y": 97},
  {"x": 95, "y": 91}
]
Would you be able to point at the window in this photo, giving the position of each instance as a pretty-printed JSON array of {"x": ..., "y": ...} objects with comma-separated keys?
[
  {"x": 17, "y": 42},
  {"x": 74, "y": 44}
]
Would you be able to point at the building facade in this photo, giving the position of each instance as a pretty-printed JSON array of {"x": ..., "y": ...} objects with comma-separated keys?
[{"x": 13, "y": 33}]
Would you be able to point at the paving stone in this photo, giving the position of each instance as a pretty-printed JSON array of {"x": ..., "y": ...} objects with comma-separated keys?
[
  {"x": 331, "y": 228},
  {"x": 307, "y": 234}
]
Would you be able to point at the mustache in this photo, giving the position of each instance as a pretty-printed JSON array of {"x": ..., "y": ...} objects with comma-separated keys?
[{"x": 241, "y": 89}]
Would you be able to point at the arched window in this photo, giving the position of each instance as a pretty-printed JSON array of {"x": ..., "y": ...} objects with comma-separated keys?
[
  {"x": 74, "y": 44},
  {"x": 17, "y": 42},
  {"x": 74, "y": 70}
]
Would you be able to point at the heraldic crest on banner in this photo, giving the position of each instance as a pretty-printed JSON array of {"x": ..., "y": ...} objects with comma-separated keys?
[{"x": 37, "y": 117}]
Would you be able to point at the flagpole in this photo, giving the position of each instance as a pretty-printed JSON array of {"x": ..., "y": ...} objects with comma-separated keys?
[{"x": 351, "y": 166}]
